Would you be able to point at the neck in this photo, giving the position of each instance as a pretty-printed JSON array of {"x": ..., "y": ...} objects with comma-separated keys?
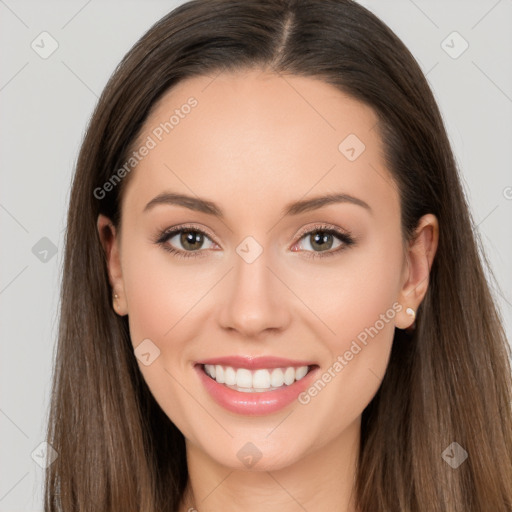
[{"x": 322, "y": 480}]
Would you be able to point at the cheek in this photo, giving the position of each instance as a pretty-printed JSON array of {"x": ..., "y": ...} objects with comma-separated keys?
[
  {"x": 159, "y": 293},
  {"x": 357, "y": 302},
  {"x": 352, "y": 292},
  {"x": 159, "y": 300},
  {"x": 164, "y": 300}
]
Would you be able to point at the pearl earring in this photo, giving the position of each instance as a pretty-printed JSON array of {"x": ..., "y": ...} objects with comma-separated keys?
[{"x": 412, "y": 314}]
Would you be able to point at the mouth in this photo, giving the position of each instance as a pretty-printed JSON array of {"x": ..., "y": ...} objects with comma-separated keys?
[{"x": 255, "y": 386}]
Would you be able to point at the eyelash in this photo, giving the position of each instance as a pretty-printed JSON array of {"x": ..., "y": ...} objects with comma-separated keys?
[{"x": 344, "y": 236}]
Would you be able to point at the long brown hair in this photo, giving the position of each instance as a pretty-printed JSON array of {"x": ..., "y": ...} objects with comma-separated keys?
[{"x": 448, "y": 382}]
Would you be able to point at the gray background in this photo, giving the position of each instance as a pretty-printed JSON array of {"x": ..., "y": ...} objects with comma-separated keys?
[{"x": 45, "y": 104}]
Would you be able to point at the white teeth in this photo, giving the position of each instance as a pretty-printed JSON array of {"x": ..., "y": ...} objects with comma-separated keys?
[
  {"x": 217, "y": 372},
  {"x": 301, "y": 372},
  {"x": 289, "y": 376},
  {"x": 250, "y": 381},
  {"x": 229, "y": 376},
  {"x": 261, "y": 379},
  {"x": 277, "y": 378},
  {"x": 243, "y": 378}
]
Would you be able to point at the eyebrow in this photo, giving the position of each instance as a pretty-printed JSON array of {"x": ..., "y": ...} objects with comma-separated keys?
[{"x": 294, "y": 208}]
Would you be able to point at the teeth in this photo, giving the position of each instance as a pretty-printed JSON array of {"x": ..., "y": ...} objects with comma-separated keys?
[
  {"x": 229, "y": 376},
  {"x": 250, "y": 381},
  {"x": 277, "y": 378},
  {"x": 289, "y": 376},
  {"x": 243, "y": 378},
  {"x": 216, "y": 372},
  {"x": 260, "y": 379}
]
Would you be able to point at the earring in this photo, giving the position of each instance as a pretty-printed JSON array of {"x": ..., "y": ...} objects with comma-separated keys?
[
  {"x": 115, "y": 302},
  {"x": 412, "y": 314}
]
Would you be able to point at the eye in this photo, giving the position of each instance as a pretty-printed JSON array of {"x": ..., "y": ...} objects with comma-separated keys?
[
  {"x": 320, "y": 240},
  {"x": 190, "y": 239}
]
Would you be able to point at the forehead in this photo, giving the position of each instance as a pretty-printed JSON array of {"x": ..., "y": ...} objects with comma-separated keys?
[{"x": 262, "y": 136}]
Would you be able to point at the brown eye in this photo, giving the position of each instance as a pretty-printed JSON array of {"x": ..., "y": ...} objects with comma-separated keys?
[
  {"x": 184, "y": 242},
  {"x": 191, "y": 240},
  {"x": 323, "y": 242}
]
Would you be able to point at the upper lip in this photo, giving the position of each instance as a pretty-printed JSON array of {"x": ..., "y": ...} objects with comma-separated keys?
[{"x": 253, "y": 363}]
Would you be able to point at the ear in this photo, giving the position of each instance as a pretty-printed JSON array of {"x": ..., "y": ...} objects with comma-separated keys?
[
  {"x": 110, "y": 241},
  {"x": 419, "y": 258}
]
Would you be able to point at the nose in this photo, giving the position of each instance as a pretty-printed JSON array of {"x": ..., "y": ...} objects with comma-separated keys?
[{"x": 254, "y": 299}]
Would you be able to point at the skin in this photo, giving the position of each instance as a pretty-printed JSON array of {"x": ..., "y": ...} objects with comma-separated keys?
[{"x": 255, "y": 142}]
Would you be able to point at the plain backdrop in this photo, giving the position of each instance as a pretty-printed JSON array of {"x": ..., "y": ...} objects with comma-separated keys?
[{"x": 46, "y": 101}]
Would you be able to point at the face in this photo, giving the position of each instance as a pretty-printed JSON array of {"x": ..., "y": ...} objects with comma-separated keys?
[{"x": 254, "y": 279}]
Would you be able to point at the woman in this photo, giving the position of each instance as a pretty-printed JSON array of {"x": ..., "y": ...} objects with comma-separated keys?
[{"x": 272, "y": 293}]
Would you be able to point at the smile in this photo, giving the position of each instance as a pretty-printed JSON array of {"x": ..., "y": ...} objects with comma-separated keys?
[{"x": 255, "y": 386}]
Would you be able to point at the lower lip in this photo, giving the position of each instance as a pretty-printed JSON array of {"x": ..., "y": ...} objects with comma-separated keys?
[{"x": 257, "y": 403}]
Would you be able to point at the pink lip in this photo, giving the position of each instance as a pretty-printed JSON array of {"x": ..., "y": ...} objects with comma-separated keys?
[
  {"x": 255, "y": 404},
  {"x": 254, "y": 363}
]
